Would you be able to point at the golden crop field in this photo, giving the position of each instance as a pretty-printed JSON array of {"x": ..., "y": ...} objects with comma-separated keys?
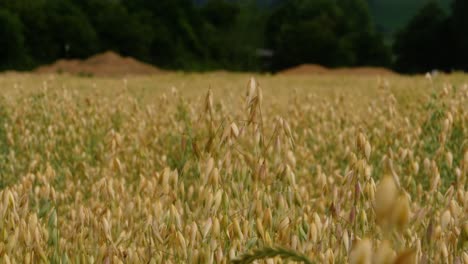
[{"x": 214, "y": 168}]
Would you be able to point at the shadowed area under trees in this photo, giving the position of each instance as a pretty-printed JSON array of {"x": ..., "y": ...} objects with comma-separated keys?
[{"x": 242, "y": 35}]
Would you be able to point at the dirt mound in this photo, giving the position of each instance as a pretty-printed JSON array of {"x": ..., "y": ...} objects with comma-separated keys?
[
  {"x": 105, "y": 64},
  {"x": 364, "y": 71},
  {"x": 306, "y": 69},
  {"x": 311, "y": 69}
]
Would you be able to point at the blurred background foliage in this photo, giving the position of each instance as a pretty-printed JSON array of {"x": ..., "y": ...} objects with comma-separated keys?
[{"x": 240, "y": 35}]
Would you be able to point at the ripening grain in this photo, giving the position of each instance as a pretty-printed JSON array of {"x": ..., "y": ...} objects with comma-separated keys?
[{"x": 358, "y": 170}]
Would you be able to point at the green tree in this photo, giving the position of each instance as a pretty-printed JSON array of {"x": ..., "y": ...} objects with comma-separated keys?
[
  {"x": 177, "y": 28},
  {"x": 309, "y": 41},
  {"x": 356, "y": 15},
  {"x": 459, "y": 29},
  {"x": 220, "y": 13},
  {"x": 423, "y": 44},
  {"x": 72, "y": 34},
  {"x": 366, "y": 46},
  {"x": 11, "y": 40},
  {"x": 53, "y": 29},
  {"x": 35, "y": 30},
  {"x": 331, "y": 33},
  {"x": 301, "y": 31},
  {"x": 369, "y": 50},
  {"x": 224, "y": 34},
  {"x": 244, "y": 39},
  {"x": 117, "y": 29}
]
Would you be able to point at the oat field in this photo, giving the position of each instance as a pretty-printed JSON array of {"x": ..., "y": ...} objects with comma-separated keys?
[{"x": 221, "y": 168}]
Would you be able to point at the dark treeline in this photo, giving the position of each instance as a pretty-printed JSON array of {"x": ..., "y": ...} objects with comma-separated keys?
[
  {"x": 331, "y": 33},
  {"x": 434, "y": 40},
  {"x": 232, "y": 35}
]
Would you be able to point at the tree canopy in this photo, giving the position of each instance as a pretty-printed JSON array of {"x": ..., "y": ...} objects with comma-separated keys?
[
  {"x": 228, "y": 34},
  {"x": 417, "y": 46},
  {"x": 331, "y": 33},
  {"x": 434, "y": 40},
  {"x": 11, "y": 41}
]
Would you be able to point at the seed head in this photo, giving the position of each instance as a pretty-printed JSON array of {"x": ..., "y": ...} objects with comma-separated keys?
[
  {"x": 445, "y": 219},
  {"x": 361, "y": 253},
  {"x": 401, "y": 212},
  {"x": 384, "y": 254},
  {"x": 385, "y": 198}
]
